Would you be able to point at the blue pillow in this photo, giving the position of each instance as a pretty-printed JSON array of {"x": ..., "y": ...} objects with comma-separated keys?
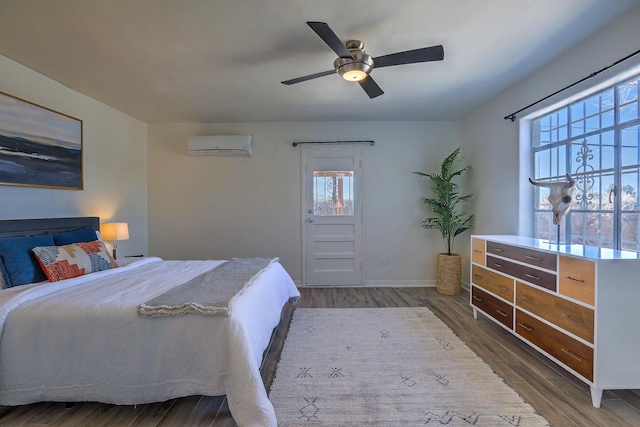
[
  {"x": 79, "y": 235},
  {"x": 20, "y": 264}
]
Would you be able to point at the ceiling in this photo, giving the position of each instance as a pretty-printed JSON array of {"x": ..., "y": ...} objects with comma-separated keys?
[{"x": 165, "y": 61}]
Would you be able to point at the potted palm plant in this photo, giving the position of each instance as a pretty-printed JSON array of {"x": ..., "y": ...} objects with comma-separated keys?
[{"x": 448, "y": 218}]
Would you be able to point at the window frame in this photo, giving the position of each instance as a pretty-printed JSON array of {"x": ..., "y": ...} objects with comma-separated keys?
[{"x": 531, "y": 130}]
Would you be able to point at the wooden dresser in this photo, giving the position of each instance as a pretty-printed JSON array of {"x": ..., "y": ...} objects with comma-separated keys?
[{"x": 578, "y": 305}]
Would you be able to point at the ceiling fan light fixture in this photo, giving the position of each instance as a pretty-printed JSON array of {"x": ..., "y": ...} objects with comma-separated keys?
[{"x": 354, "y": 72}]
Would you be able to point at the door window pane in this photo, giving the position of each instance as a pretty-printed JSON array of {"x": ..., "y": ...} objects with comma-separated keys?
[{"x": 333, "y": 193}]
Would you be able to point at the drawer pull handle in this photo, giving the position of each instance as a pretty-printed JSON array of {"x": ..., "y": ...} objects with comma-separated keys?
[
  {"x": 573, "y": 319},
  {"x": 478, "y": 251},
  {"x": 476, "y": 298},
  {"x": 497, "y": 264},
  {"x": 526, "y": 298},
  {"x": 574, "y": 279},
  {"x": 498, "y": 250},
  {"x": 572, "y": 354},
  {"x": 504, "y": 288},
  {"x": 477, "y": 276},
  {"x": 531, "y": 276},
  {"x": 528, "y": 328},
  {"x": 502, "y": 313},
  {"x": 535, "y": 258}
]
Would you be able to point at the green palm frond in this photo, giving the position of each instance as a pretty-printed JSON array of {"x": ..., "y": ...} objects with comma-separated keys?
[{"x": 445, "y": 203}]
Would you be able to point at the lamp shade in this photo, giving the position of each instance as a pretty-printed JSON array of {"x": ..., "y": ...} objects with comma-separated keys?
[{"x": 114, "y": 231}]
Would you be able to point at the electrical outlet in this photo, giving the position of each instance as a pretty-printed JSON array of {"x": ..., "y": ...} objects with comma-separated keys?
[{"x": 385, "y": 260}]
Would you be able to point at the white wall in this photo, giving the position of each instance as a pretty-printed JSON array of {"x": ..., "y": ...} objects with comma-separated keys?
[
  {"x": 220, "y": 207},
  {"x": 114, "y": 148},
  {"x": 492, "y": 143}
]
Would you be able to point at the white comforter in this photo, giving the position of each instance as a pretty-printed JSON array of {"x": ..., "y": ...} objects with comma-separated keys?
[{"x": 81, "y": 339}]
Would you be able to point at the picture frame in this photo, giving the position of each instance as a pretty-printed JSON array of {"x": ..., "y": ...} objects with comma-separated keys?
[{"x": 39, "y": 147}]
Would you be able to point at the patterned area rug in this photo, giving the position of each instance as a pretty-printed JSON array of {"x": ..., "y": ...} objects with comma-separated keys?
[{"x": 387, "y": 367}]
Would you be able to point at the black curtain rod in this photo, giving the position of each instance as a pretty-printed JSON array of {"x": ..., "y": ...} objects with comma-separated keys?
[
  {"x": 512, "y": 116},
  {"x": 295, "y": 144}
]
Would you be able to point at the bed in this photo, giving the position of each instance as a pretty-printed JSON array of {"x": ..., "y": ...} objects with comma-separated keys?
[{"x": 82, "y": 338}]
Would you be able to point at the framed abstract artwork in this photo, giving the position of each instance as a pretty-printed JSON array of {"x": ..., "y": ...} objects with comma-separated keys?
[{"x": 39, "y": 147}]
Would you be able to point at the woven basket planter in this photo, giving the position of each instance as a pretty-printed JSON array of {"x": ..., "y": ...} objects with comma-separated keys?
[{"x": 449, "y": 281}]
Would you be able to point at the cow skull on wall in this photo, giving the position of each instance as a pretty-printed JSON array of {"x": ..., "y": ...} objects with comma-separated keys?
[{"x": 560, "y": 196}]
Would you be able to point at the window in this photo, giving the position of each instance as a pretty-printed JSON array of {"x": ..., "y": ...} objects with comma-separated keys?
[
  {"x": 595, "y": 140},
  {"x": 333, "y": 193}
]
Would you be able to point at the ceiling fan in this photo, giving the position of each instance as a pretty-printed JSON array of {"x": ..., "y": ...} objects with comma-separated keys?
[{"x": 353, "y": 64}]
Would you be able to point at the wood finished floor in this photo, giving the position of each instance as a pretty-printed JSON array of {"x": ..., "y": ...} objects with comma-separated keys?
[{"x": 556, "y": 395}]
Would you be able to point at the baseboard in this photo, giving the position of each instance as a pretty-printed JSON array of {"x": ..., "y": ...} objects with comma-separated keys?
[
  {"x": 393, "y": 284},
  {"x": 400, "y": 283},
  {"x": 407, "y": 284}
]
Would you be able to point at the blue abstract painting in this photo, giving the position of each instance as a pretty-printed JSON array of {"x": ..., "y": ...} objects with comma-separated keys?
[{"x": 39, "y": 147}]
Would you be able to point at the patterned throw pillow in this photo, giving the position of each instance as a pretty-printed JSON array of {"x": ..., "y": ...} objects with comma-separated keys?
[{"x": 65, "y": 262}]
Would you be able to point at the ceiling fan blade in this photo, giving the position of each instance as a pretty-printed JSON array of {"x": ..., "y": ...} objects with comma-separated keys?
[
  {"x": 371, "y": 87},
  {"x": 330, "y": 38},
  {"x": 425, "y": 54},
  {"x": 309, "y": 77}
]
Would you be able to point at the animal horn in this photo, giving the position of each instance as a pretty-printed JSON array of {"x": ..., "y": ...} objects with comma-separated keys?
[
  {"x": 570, "y": 182},
  {"x": 540, "y": 184}
]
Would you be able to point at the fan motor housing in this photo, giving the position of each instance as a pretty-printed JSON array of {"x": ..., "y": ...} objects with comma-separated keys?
[{"x": 357, "y": 68}]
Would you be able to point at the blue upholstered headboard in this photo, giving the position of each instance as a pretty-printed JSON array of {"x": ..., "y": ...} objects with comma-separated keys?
[{"x": 25, "y": 227}]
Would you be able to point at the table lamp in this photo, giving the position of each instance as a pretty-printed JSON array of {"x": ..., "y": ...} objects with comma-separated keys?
[{"x": 113, "y": 232}]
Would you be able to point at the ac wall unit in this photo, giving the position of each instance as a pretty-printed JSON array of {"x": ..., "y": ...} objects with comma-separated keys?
[{"x": 220, "y": 145}]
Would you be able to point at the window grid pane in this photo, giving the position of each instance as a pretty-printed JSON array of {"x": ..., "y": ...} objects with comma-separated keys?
[
  {"x": 628, "y": 96},
  {"x": 630, "y": 232}
]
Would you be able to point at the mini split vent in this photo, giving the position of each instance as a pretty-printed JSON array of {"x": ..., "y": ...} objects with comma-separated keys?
[{"x": 220, "y": 145}]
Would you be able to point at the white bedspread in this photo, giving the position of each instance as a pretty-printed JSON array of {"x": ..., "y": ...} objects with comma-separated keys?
[{"x": 81, "y": 339}]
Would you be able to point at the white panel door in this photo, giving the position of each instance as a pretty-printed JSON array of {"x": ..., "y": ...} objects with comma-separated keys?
[{"x": 332, "y": 216}]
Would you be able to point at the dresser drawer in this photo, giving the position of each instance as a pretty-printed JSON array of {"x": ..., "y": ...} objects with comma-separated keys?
[
  {"x": 477, "y": 251},
  {"x": 577, "y": 279},
  {"x": 528, "y": 274},
  {"x": 529, "y": 256},
  {"x": 569, "y": 351},
  {"x": 492, "y": 306},
  {"x": 493, "y": 282},
  {"x": 565, "y": 314}
]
